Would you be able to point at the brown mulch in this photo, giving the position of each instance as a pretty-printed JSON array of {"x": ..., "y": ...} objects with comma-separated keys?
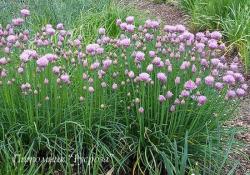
[{"x": 168, "y": 13}]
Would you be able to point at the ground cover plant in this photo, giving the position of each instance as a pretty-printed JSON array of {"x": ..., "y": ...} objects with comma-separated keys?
[{"x": 143, "y": 102}]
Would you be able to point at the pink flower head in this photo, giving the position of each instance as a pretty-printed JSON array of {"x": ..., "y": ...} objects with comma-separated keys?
[
  {"x": 150, "y": 68},
  {"x": 49, "y": 30},
  {"x": 130, "y": 19},
  {"x": 106, "y": 63},
  {"x": 131, "y": 74},
  {"x": 201, "y": 100},
  {"x": 124, "y": 42},
  {"x": 151, "y": 24},
  {"x": 218, "y": 85},
  {"x": 17, "y": 21},
  {"x": 141, "y": 110},
  {"x": 25, "y": 86},
  {"x": 216, "y": 35},
  {"x": 59, "y": 26},
  {"x": 65, "y": 78},
  {"x": 152, "y": 54},
  {"x": 229, "y": 79},
  {"x": 12, "y": 39},
  {"x": 162, "y": 77},
  {"x": 244, "y": 86},
  {"x": 169, "y": 94},
  {"x": 185, "y": 93},
  {"x": 130, "y": 28},
  {"x": 161, "y": 98},
  {"x": 101, "y": 31},
  {"x": 209, "y": 80},
  {"x": 215, "y": 61},
  {"x": 42, "y": 62},
  {"x": 212, "y": 44},
  {"x": 190, "y": 85},
  {"x": 240, "y": 92},
  {"x": 3, "y": 61},
  {"x": 92, "y": 48},
  {"x": 51, "y": 57},
  {"x": 20, "y": 70},
  {"x": 231, "y": 94},
  {"x": 56, "y": 69},
  {"x": 156, "y": 61},
  {"x": 177, "y": 80},
  {"x": 172, "y": 108},
  {"x": 25, "y": 12},
  {"x": 144, "y": 77},
  {"x": 91, "y": 89},
  {"x": 139, "y": 56}
]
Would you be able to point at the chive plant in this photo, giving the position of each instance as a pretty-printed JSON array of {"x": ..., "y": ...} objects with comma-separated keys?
[{"x": 134, "y": 100}]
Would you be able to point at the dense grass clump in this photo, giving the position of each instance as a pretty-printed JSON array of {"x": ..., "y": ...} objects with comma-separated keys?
[{"x": 144, "y": 102}]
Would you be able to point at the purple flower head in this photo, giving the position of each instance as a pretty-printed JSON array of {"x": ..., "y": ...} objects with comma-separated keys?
[
  {"x": 229, "y": 79},
  {"x": 169, "y": 94},
  {"x": 150, "y": 68},
  {"x": 244, "y": 86},
  {"x": 59, "y": 26},
  {"x": 17, "y": 21},
  {"x": 172, "y": 108},
  {"x": 201, "y": 100},
  {"x": 219, "y": 85},
  {"x": 20, "y": 70},
  {"x": 131, "y": 74},
  {"x": 190, "y": 85},
  {"x": 130, "y": 28},
  {"x": 240, "y": 92},
  {"x": 130, "y": 19},
  {"x": 56, "y": 69},
  {"x": 139, "y": 56},
  {"x": 177, "y": 80},
  {"x": 106, "y": 63},
  {"x": 215, "y": 61},
  {"x": 156, "y": 61},
  {"x": 144, "y": 77},
  {"x": 152, "y": 54},
  {"x": 185, "y": 93},
  {"x": 101, "y": 31},
  {"x": 162, "y": 77},
  {"x": 124, "y": 42},
  {"x": 42, "y": 62},
  {"x": 49, "y": 30},
  {"x": 216, "y": 35},
  {"x": 3, "y": 61},
  {"x": 231, "y": 94},
  {"x": 12, "y": 39},
  {"x": 25, "y": 12},
  {"x": 212, "y": 44},
  {"x": 209, "y": 80},
  {"x": 91, "y": 89},
  {"x": 65, "y": 78},
  {"x": 151, "y": 24},
  {"x": 141, "y": 110},
  {"x": 161, "y": 98}
]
